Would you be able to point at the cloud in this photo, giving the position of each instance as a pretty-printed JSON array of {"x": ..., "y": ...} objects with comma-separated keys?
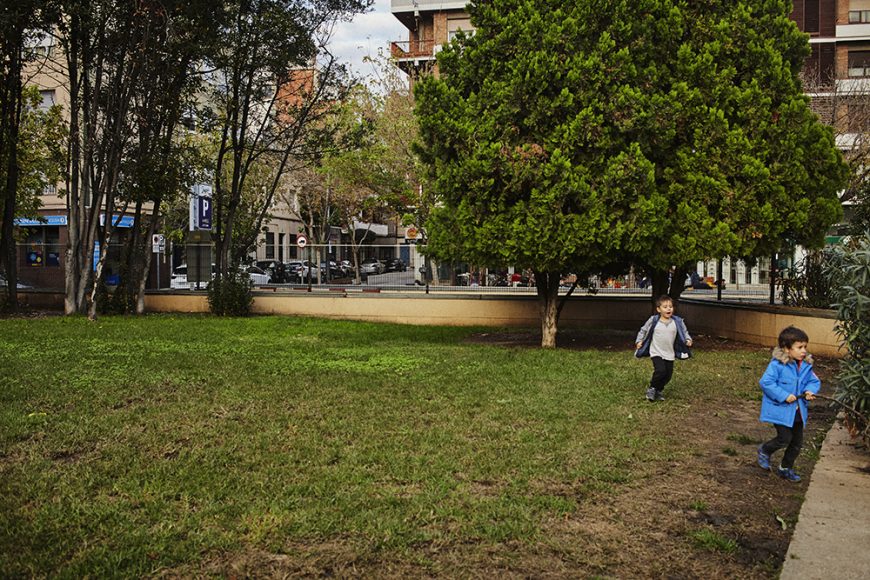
[{"x": 366, "y": 35}]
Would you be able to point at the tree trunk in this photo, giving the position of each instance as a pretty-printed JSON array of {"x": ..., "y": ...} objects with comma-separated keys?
[
  {"x": 547, "y": 286},
  {"x": 11, "y": 122},
  {"x": 146, "y": 259},
  {"x": 678, "y": 282},
  {"x": 661, "y": 282}
]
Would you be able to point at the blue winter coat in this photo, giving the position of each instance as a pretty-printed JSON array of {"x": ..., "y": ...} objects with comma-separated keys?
[
  {"x": 681, "y": 349},
  {"x": 781, "y": 379}
]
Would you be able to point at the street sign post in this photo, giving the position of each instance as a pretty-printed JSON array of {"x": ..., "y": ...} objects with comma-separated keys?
[
  {"x": 158, "y": 246},
  {"x": 158, "y": 243}
]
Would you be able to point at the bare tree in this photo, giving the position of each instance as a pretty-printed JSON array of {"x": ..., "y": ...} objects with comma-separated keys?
[{"x": 273, "y": 81}]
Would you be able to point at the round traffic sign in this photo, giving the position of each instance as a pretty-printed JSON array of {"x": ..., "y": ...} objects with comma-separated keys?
[{"x": 301, "y": 240}]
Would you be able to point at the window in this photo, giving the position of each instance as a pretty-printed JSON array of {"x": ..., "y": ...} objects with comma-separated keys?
[
  {"x": 764, "y": 270},
  {"x": 455, "y": 24},
  {"x": 270, "y": 245},
  {"x": 858, "y": 116},
  {"x": 859, "y": 63},
  {"x": 48, "y": 99},
  {"x": 41, "y": 246},
  {"x": 811, "y": 16},
  {"x": 859, "y": 16}
]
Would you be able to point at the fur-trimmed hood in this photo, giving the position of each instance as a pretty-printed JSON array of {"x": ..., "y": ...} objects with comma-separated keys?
[{"x": 782, "y": 356}]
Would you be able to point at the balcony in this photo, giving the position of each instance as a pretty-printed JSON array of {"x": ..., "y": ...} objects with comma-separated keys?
[
  {"x": 426, "y": 5},
  {"x": 404, "y": 50},
  {"x": 853, "y": 31},
  {"x": 853, "y": 86}
]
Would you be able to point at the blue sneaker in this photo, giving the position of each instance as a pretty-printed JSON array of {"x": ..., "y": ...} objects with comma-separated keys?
[
  {"x": 789, "y": 474},
  {"x": 763, "y": 459}
]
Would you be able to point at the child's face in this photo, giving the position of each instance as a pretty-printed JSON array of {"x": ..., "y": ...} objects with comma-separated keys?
[
  {"x": 797, "y": 351},
  {"x": 665, "y": 309}
]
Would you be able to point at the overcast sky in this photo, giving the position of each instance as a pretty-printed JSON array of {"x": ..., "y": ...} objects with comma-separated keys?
[{"x": 366, "y": 34}]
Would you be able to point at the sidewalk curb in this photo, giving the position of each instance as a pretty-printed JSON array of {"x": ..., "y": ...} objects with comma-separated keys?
[{"x": 832, "y": 536}]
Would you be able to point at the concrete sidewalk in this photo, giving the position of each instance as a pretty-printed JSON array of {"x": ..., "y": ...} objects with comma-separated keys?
[{"x": 832, "y": 536}]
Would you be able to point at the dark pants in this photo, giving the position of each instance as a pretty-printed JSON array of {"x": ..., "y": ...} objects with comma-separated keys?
[
  {"x": 662, "y": 372},
  {"x": 792, "y": 438}
]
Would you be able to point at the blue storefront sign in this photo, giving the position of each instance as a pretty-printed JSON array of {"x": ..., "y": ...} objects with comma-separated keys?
[
  {"x": 47, "y": 220},
  {"x": 119, "y": 221}
]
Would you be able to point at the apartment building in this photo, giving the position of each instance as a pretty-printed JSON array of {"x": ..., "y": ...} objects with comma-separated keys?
[
  {"x": 837, "y": 72},
  {"x": 431, "y": 24}
]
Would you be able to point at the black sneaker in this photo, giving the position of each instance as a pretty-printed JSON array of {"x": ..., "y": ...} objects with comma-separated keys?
[{"x": 660, "y": 396}]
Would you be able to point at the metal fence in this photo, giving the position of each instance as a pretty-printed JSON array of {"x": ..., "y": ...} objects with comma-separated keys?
[{"x": 396, "y": 268}]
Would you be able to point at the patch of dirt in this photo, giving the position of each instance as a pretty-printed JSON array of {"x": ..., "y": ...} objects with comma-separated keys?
[{"x": 577, "y": 339}]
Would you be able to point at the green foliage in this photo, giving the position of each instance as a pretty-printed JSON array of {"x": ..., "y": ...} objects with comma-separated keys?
[
  {"x": 231, "y": 295},
  {"x": 41, "y": 141},
  {"x": 561, "y": 135},
  {"x": 698, "y": 505},
  {"x": 713, "y": 541},
  {"x": 848, "y": 270}
]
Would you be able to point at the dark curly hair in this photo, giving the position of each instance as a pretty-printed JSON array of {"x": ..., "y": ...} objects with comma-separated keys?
[{"x": 791, "y": 335}]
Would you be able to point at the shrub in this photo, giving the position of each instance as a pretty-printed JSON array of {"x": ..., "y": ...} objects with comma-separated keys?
[
  {"x": 806, "y": 284},
  {"x": 231, "y": 295},
  {"x": 848, "y": 271}
]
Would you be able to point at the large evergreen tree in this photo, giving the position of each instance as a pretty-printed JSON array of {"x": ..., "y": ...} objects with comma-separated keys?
[
  {"x": 562, "y": 136},
  {"x": 741, "y": 162}
]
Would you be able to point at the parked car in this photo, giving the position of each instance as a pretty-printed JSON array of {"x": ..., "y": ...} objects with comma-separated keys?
[
  {"x": 305, "y": 268},
  {"x": 258, "y": 275},
  {"x": 372, "y": 266},
  {"x": 293, "y": 269},
  {"x": 334, "y": 270},
  {"x": 276, "y": 270},
  {"x": 395, "y": 265},
  {"x": 178, "y": 279}
]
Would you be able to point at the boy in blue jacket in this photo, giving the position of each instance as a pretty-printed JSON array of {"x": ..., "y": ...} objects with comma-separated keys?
[
  {"x": 663, "y": 338},
  {"x": 788, "y": 383}
]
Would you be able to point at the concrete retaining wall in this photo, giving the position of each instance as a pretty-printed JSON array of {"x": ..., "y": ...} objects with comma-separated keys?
[{"x": 755, "y": 323}]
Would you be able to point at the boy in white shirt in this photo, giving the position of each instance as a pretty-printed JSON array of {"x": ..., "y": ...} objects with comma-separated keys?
[{"x": 663, "y": 338}]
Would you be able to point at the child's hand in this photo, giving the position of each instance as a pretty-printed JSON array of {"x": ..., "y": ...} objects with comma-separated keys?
[
  {"x": 809, "y": 396},
  {"x": 689, "y": 342},
  {"x": 790, "y": 399},
  {"x": 638, "y": 345}
]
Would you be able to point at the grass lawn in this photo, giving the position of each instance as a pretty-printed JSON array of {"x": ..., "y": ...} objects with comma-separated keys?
[{"x": 178, "y": 445}]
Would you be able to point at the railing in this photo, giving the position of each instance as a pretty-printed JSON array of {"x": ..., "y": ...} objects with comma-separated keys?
[
  {"x": 389, "y": 268},
  {"x": 405, "y": 49}
]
